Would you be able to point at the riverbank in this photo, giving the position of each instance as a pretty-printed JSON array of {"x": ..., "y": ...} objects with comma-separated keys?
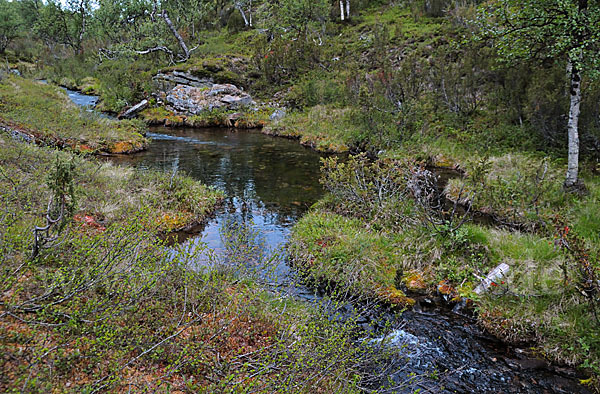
[
  {"x": 44, "y": 115},
  {"x": 106, "y": 306},
  {"x": 385, "y": 231}
]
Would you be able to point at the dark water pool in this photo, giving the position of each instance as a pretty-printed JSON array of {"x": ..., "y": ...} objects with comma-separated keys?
[{"x": 269, "y": 182}]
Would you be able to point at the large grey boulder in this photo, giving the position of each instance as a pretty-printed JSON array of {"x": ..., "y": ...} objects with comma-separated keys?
[{"x": 192, "y": 100}]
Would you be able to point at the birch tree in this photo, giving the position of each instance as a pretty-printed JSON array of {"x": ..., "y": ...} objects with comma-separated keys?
[
  {"x": 240, "y": 5},
  {"x": 79, "y": 14},
  {"x": 565, "y": 31},
  {"x": 344, "y": 12},
  {"x": 186, "y": 52}
]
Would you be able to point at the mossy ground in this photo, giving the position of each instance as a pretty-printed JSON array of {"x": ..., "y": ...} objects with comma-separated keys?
[
  {"x": 535, "y": 305},
  {"x": 110, "y": 308},
  {"x": 321, "y": 128},
  {"x": 48, "y": 116},
  {"x": 108, "y": 191}
]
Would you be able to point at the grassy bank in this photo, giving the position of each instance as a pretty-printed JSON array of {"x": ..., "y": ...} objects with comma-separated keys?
[
  {"x": 106, "y": 192},
  {"x": 324, "y": 129},
  {"x": 107, "y": 307},
  {"x": 375, "y": 236},
  {"x": 244, "y": 119},
  {"x": 45, "y": 115}
]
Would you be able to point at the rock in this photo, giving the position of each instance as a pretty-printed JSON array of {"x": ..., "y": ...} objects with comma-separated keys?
[
  {"x": 396, "y": 297},
  {"x": 448, "y": 292},
  {"x": 237, "y": 101},
  {"x": 191, "y": 100},
  {"x": 166, "y": 82},
  {"x": 15, "y": 71},
  {"x": 415, "y": 282},
  {"x": 131, "y": 112},
  {"x": 277, "y": 115}
]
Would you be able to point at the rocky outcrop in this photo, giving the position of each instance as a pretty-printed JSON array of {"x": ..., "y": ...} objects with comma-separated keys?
[
  {"x": 191, "y": 100},
  {"x": 164, "y": 82}
]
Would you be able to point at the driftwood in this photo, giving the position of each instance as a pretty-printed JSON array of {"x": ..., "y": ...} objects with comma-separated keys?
[
  {"x": 491, "y": 278},
  {"x": 131, "y": 112}
]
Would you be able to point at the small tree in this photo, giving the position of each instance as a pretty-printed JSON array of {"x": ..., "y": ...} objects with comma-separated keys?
[
  {"x": 302, "y": 16},
  {"x": 10, "y": 23},
  {"x": 559, "y": 30},
  {"x": 61, "y": 207}
]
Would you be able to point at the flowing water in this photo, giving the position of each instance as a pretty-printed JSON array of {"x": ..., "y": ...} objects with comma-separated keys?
[{"x": 270, "y": 182}]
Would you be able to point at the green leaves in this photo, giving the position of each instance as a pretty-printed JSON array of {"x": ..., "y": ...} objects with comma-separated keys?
[
  {"x": 543, "y": 29},
  {"x": 10, "y": 23}
]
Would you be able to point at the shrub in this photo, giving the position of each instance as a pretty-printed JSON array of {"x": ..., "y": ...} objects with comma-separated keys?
[{"x": 371, "y": 189}]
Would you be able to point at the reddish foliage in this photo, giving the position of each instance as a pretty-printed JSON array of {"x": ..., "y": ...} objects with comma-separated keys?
[{"x": 88, "y": 222}]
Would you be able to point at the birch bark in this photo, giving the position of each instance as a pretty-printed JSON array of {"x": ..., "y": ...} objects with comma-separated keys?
[{"x": 573, "y": 125}]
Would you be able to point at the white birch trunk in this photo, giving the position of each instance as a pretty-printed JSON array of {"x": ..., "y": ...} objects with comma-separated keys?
[
  {"x": 240, "y": 8},
  {"x": 250, "y": 14},
  {"x": 573, "y": 125},
  {"x": 342, "y": 9},
  {"x": 83, "y": 27},
  {"x": 347, "y": 9}
]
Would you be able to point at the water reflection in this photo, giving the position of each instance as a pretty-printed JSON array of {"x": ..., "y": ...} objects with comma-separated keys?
[{"x": 269, "y": 182}]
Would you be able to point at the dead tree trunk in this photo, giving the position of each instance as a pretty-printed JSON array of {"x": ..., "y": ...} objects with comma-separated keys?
[{"x": 175, "y": 33}]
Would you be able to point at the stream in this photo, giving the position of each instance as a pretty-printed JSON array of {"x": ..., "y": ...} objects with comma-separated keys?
[{"x": 270, "y": 183}]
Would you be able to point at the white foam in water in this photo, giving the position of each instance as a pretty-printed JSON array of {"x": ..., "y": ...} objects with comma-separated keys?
[{"x": 408, "y": 344}]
